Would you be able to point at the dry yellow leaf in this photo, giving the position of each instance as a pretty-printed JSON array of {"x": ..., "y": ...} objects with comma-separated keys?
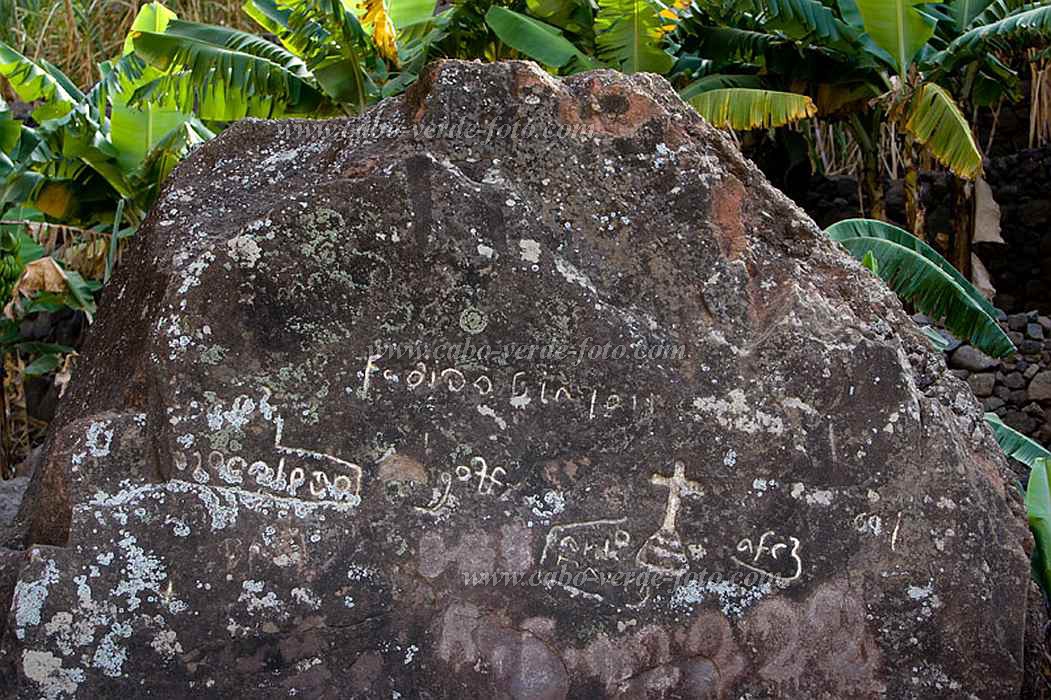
[
  {"x": 43, "y": 275},
  {"x": 87, "y": 257},
  {"x": 65, "y": 373},
  {"x": 55, "y": 199},
  {"x": 383, "y": 33}
]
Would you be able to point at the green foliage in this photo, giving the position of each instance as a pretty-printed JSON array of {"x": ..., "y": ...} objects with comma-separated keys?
[
  {"x": 87, "y": 164},
  {"x": 224, "y": 74},
  {"x": 1016, "y": 445},
  {"x": 628, "y": 36},
  {"x": 1038, "y": 505},
  {"x": 965, "y": 11},
  {"x": 33, "y": 83},
  {"x": 897, "y": 27},
  {"x": 749, "y": 108},
  {"x": 535, "y": 39},
  {"x": 935, "y": 121},
  {"x": 808, "y": 20},
  {"x": 918, "y": 274},
  {"x": 1031, "y": 20}
]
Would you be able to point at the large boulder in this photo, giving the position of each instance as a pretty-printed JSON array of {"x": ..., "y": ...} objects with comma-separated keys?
[{"x": 685, "y": 447}]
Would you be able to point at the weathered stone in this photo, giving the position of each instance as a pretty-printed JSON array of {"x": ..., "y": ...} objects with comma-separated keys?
[
  {"x": 960, "y": 373},
  {"x": 992, "y": 403},
  {"x": 1017, "y": 397},
  {"x": 1017, "y": 322},
  {"x": 1034, "y": 409},
  {"x": 972, "y": 359},
  {"x": 1021, "y": 421},
  {"x": 1030, "y": 347},
  {"x": 1016, "y": 337},
  {"x": 11, "y": 563},
  {"x": 1015, "y": 380},
  {"x": 250, "y": 495},
  {"x": 1031, "y": 371},
  {"x": 1045, "y": 323},
  {"x": 1040, "y": 387},
  {"x": 11, "y": 492},
  {"x": 982, "y": 384},
  {"x": 1034, "y": 331}
]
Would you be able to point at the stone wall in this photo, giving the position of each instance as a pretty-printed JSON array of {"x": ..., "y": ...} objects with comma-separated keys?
[
  {"x": 1018, "y": 389},
  {"x": 1021, "y": 269}
]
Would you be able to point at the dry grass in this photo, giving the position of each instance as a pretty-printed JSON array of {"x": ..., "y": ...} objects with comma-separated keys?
[{"x": 77, "y": 34}]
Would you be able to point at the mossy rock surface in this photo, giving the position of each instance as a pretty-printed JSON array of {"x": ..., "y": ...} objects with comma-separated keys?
[{"x": 720, "y": 459}]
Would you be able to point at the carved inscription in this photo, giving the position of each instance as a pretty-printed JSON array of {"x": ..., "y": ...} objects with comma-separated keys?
[
  {"x": 663, "y": 552},
  {"x": 295, "y": 472},
  {"x": 773, "y": 555},
  {"x": 585, "y": 554},
  {"x": 476, "y": 477},
  {"x": 521, "y": 392}
]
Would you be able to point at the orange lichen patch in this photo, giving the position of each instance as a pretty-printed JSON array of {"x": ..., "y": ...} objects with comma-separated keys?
[
  {"x": 360, "y": 168},
  {"x": 416, "y": 96},
  {"x": 612, "y": 110},
  {"x": 535, "y": 82},
  {"x": 402, "y": 468},
  {"x": 727, "y": 216}
]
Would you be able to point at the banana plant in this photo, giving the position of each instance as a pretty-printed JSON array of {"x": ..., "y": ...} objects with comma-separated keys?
[
  {"x": 1037, "y": 494},
  {"x": 761, "y": 63},
  {"x": 634, "y": 36},
  {"x": 1016, "y": 445},
  {"x": 74, "y": 183},
  {"x": 88, "y": 150},
  {"x": 931, "y": 52},
  {"x": 920, "y": 275},
  {"x": 331, "y": 58},
  {"x": 1038, "y": 506}
]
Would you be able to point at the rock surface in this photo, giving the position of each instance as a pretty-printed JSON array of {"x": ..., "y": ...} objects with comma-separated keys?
[{"x": 245, "y": 495}]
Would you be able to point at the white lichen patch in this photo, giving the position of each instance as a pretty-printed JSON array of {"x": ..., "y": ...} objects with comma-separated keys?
[
  {"x": 550, "y": 505},
  {"x": 529, "y": 250},
  {"x": 926, "y": 597},
  {"x": 142, "y": 572},
  {"x": 98, "y": 439},
  {"x": 166, "y": 644},
  {"x": 573, "y": 275},
  {"x": 688, "y": 595},
  {"x": 52, "y": 680},
  {"x": 920, "y": 592},
  {"x": 306, "y": 597},
  {"x": 255, "y": 600},
  {"x": 29, "y": 598},
  {"x": 734, "y": 413},
  {"x": 244, "y": 251},
  {"x": 110, "y": 655},
  {"x": 192, "y": 274},
  {"x": 819, "y": 498},
  {"x": 735, "y": 599}
]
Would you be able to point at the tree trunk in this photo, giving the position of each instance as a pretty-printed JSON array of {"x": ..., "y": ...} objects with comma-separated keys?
[
  {"x": 915, "y": 214},
  {"x": 963, "y": 209},
  {"x": 875, "y": 192},
  {"x": 6, "y": 470}
]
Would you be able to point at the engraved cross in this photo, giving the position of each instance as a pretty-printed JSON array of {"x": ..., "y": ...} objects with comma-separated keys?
[{"x": 678, "y": 486}]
